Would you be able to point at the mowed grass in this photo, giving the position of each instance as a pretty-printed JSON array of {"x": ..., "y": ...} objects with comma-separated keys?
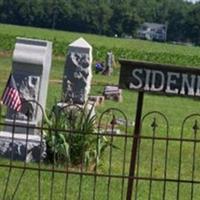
[{"x": 175, "y": 109}]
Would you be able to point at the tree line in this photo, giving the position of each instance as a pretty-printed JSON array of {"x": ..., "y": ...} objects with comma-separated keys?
[{"x": 106, "y": 17}]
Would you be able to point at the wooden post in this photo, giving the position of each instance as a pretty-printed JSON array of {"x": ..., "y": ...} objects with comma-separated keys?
[{"x": 137, "y": 130}]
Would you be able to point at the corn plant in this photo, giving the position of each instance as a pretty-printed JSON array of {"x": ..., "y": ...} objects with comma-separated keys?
[{"x": 71, "y": 138}]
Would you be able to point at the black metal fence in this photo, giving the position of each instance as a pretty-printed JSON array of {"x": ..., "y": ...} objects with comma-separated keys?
[
  {"x": 172, "y": 159},
  {"x": 89, "y": 158}
]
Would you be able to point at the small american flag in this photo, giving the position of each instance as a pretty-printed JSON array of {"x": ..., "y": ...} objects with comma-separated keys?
[{"x": 11, "y": 97}]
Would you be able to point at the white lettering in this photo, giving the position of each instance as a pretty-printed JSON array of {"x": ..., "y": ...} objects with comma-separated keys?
[
  {"x": 198, "y": 87},
  {"x": 155, "y": 75},
  {"x": 185, "y": 83},
  {"x": 168, "y": 82},
  {"x": 146, "y": 86},
  {"x": 171, "y": 81},
  {"x": 134, "y": 74}
]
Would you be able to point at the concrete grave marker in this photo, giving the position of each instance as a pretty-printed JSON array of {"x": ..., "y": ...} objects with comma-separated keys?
[
  {"x": 110, "y": 62},
  {"x": 77, "y": 72},
  {"x": 113, "y": 93},
  {"x": 31, "y": 67}
]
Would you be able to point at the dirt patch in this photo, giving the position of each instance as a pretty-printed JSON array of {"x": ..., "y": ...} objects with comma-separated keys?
[
  {"x": 55, "y": 81},
  {"x": 5, "y": 53}
]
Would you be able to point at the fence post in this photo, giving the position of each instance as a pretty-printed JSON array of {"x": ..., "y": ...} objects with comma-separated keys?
[{"x": 136, "y": 135}]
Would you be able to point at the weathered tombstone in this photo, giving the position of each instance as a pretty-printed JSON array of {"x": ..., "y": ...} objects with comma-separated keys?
[
  {"x": 77, "y": 73},
  {"x": 31, "y": 67},
  {"x": 113, "y": 93},
  {"x": 110, "y": 62}
]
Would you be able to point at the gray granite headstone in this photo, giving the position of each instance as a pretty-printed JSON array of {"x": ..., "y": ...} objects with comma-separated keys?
[
  {"x": 30, "y": 67},
  {"x": 77, "y": 72}
]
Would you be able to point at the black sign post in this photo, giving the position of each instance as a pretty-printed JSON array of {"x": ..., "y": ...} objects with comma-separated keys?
[
  {"x": 135, "y": 144},
  {"x": 154, "y": 78}
]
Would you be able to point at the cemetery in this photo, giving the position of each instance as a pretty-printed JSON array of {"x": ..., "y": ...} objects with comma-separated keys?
[{"x": 82, "y": 135}]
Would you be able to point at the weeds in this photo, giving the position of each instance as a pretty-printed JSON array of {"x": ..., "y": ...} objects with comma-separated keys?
[{"x": 72, "y": 137}]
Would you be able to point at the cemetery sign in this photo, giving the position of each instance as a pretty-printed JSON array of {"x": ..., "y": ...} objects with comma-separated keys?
[
  {"x": 160, "y": 78},
  {"x": 154, "y": 78}
]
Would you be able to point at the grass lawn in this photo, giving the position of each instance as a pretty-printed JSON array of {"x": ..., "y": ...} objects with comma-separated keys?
[{"x": 175, "y": 108}]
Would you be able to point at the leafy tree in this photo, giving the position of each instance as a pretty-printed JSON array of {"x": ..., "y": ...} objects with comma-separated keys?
[
  {"x": 124, "y": 19},
  {"x": 193, "y": 24},
  {"x": 99, "y": 17},
  {"x": 107, "y": 17},
  {"x": 176, "y": 21}
]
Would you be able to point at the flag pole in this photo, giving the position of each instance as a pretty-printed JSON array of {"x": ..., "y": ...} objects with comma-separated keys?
[{"x": 1, "y": 104}]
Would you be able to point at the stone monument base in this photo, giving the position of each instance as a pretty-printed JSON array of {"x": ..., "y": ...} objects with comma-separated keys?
[
  {"x": 96, "y": 100},
  {"x": 18, "y": 147},
  {"x": 89, "y": 106},
  {"x": 22, "y": 127}
]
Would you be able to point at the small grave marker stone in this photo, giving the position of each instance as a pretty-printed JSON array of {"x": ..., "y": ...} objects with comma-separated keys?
[
  {"x": 113, "y": 93},
  {"x": 110, "y": 62}
]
